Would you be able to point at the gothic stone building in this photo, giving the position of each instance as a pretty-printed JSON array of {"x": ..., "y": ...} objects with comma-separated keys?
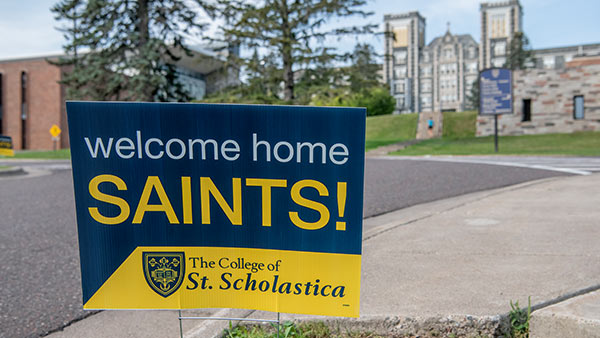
[
  {"x": 439, "y": 76},
  {"x": 433, "y": 77}
]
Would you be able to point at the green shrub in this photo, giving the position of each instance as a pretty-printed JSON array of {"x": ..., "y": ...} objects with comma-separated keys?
[{"x": 378, "y": 101}]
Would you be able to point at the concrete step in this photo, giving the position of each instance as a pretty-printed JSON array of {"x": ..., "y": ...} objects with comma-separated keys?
[
  {"x": 423, "y": 131},
  {"x": 575, "y": 317}
]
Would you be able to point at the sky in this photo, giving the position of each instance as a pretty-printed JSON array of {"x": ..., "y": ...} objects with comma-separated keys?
[{"x": 28, "y": 28}]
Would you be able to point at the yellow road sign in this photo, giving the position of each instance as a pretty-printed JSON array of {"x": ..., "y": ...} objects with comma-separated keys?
[{"x": 55, "y": 130}]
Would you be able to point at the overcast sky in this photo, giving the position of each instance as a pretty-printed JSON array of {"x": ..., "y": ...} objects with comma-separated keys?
[{"x": 27, "y": 27}]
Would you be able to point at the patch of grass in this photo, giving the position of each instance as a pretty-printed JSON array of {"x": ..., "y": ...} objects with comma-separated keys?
[
  {"x": 289, "y": 329},
  {"x": 519, "y": 320},
  {"x": 459, "y": 124},
  {"x": 388, "y": 129},
  {"x": 575, "y": 144},
  {"x": 62, "y": 154}
]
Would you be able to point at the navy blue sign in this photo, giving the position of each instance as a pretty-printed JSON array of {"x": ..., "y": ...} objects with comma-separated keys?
[
  {"x": 177, "y": 176},
  {"x": 495, "y": 91}
]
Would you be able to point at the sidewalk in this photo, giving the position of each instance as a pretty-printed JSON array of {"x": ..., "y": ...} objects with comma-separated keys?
[{"x": 469, "y": 255}]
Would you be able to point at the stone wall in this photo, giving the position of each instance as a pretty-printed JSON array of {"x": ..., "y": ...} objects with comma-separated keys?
[{"x": 552, "y": 93}]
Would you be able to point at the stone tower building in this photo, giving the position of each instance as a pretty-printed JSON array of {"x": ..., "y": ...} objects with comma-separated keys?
[
  {"x": 499, "y": 21},
  {"x": 404, "y": 41}
]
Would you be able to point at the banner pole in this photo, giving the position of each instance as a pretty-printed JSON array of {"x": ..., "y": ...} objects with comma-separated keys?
[{"x": 278, "y": 322}]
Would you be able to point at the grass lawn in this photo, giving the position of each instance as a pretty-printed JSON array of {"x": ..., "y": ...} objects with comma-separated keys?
[
  {"x": 459, "y": 124},
  {"x": 387, "y": 129},
  {"x": 62, "y": 154},
  {"x": 575, "y": 144}
]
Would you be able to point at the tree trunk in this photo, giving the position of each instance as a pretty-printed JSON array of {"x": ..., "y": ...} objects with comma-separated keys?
[
  {"x": 143, "y": 29},
  {"x": 286, "y": 53},
  {"x": 142, "y": 14},
  {"x": 288, "y": 76}
]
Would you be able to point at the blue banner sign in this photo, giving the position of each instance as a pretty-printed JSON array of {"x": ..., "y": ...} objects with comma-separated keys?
[
  {"x": 495, "y": 91},
  {"x": 185, "y": 206}
]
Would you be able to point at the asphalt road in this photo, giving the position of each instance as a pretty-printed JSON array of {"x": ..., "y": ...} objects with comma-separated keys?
[{"x": 40, "y": 285}]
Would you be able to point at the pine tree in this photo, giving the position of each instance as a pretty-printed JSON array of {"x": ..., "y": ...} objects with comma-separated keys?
[
  {"x": 125, "y": 50},
  {"x": 519, "y": 52},
  {"x": 293, "y": 31},
  {"x": 472, "y": 99},
  {"x": 364, "y": 71}
]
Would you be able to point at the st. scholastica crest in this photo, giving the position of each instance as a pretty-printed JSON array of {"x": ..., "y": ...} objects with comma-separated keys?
[{"x": 164, "y": 271}]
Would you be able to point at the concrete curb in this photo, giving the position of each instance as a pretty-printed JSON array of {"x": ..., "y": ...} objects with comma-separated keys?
[
  {"x": 396, "y": 326},
  {"x": 575, "y": 317}
]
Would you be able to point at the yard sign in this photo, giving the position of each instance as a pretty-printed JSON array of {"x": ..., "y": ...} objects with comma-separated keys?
[{"x": 185, "y": 206}]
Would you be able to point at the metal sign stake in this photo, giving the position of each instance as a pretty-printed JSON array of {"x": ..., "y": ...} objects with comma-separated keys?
[
  {"x": 278, "y": 321},
  {"x": 496, "y": 133},
  {"x": 180, "y": 326}
]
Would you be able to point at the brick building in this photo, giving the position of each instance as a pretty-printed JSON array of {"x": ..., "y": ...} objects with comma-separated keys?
[
  {"x": 32, "y": 100},
  {"x": 551, "y": 101}
]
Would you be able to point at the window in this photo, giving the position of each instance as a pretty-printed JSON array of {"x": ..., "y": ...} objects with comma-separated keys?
[
  {"x": 400, "y": 72},
  {"x": 500, "y": 48},
  {"x": 498, "y": 62},
  {"x": 426, "y": 86},
  {"x": 578, "y": 108},
  {"x": 400, "y": 102},
  {"x": 548, "y": 62},
  {"x": 472, "y": 52},
  {"x": 400, "y": 57},
  {"x": 448, "y": 53},
  {"x": 399, "y": 87},
  {"x": 426, "y": 101},
  {"x": 526, "y": 110},
  {"x": 426, "y": 71},
  {"x": 472, "y": 67},
  {"x": 23, "y": 110},
  {"x": 568, "y": 58}
]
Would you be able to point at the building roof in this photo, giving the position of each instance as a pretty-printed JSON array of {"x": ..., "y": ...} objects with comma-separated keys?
[
  {"x": 485, "y": 5},
  {"x": 33, "y": 57},
  {"x": 203, "y": 60},
  {"x": 575, "y": 48},
  {"x": 462, "y": 38},
  {"x": 389, "y": 17}
]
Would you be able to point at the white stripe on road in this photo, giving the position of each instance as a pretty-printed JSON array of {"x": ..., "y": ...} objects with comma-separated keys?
[{"x": 500, "y": 163}]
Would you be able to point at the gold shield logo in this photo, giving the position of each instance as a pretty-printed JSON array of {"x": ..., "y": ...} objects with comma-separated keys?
[{"x": 164, "y": 271}]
